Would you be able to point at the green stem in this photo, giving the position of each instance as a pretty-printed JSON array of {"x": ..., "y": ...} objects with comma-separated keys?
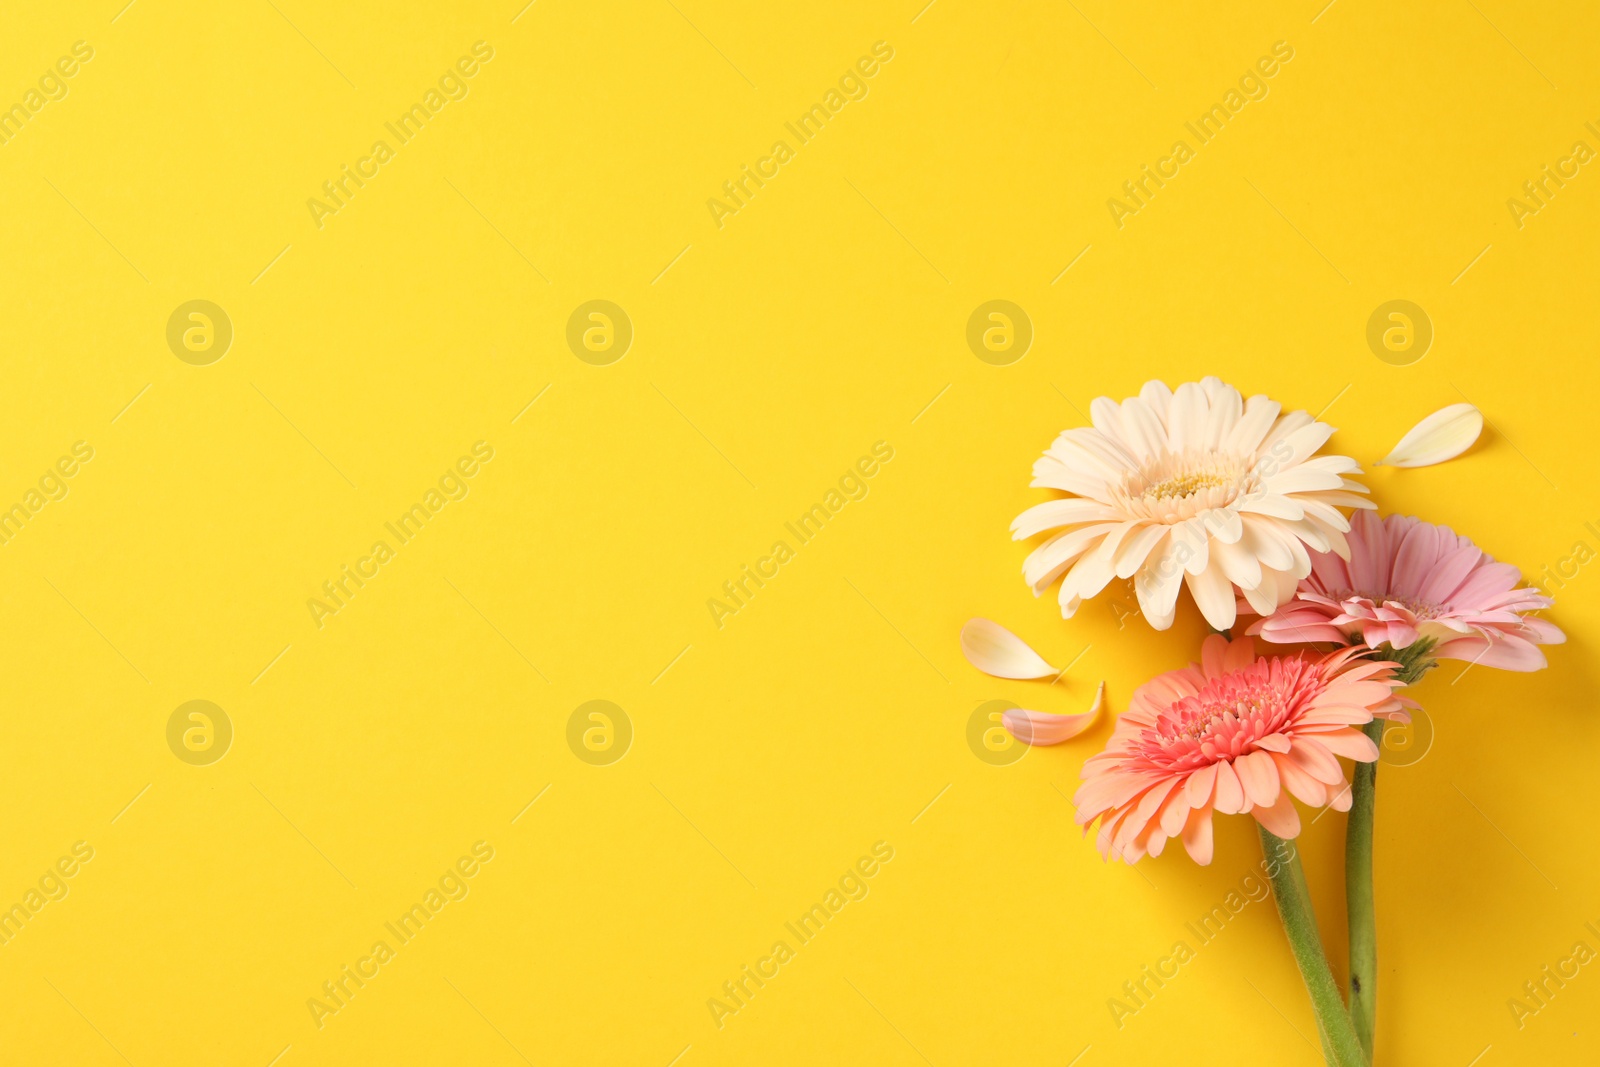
[
  {"x": 1358, "y": 897},
  {"x": 1339, "y": 1044}
]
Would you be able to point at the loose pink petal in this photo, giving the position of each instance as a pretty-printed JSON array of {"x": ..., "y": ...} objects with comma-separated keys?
[{"x": 1044, "y": 728}]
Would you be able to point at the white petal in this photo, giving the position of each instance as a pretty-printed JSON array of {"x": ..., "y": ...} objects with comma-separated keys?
[
  {"x": 1053, "y": 513},
  {"x": 1044, "y": 728},
  {"x": 995, "y": 650},
  {"x": 1443, "y": 435}
]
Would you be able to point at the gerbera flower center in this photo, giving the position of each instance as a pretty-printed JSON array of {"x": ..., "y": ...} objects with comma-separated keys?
[
  {"x": 1228, "y": 714},
  {"x": 1424, "y": 610},
  {"x": 1186, "y": 485},
  {"x": 1179, "y": 486}
]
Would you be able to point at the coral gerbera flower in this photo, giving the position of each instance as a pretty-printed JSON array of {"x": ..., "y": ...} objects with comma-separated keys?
[
  {"x": 1195, "y": 486},
  {"x": 1409, "y": 581},
  {"x": 1233, "y": 733}
]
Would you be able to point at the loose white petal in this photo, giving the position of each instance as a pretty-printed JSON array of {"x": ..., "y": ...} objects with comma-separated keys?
[
  {"x": 1443, "y": 435},
  {"x": 1044, "y": 728},
  {"x": 995, "y": 650}
]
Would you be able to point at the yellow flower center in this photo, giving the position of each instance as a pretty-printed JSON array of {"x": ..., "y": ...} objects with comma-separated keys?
[{"x": 1187, "y": 484}]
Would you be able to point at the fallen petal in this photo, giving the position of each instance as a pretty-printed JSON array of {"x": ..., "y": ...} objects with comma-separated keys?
[
  {"x": 1043, "y": 728},
  {"x": 995, "y": 650},
  {"x": 1443, "y": 435}
]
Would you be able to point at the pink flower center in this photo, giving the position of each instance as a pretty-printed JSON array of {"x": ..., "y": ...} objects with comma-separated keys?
[
  {"x": 1422, "y": 609},
  {"x": 1230, "y": 713}
]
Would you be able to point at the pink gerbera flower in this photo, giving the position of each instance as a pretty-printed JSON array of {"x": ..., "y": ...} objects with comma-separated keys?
[
  {"x": 1409, "y": 581},
  {"x": 1233, "y": 733}
]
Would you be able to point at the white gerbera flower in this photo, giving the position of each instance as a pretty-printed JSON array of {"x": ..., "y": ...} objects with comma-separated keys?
[{"x": 1197, "y": 486}]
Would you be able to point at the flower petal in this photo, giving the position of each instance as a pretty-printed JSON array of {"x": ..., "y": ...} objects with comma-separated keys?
[
  {"x": 1443, "y": 435},
  {"x": 1044, "y": 728},
  {"x": 995, "y": 650}
]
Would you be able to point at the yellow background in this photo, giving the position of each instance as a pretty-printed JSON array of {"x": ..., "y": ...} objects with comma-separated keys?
[{"x": 773, "y": 352}]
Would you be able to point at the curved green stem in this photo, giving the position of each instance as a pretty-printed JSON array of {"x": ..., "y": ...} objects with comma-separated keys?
[
  {"x": 1340, "y": 1047},
  {"x": 1358, "y": 897}
]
